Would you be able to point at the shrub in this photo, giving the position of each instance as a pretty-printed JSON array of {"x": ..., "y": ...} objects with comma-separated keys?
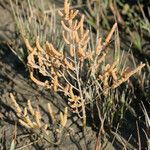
[{"x": 78, "y": 71}]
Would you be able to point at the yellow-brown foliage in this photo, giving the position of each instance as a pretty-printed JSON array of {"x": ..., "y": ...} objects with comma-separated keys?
[
  {"x": 32, "y": 119},
  {"x": 60, "y": 66}
]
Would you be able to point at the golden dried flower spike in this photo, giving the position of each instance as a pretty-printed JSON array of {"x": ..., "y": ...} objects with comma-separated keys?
[
  {"x": 25, "y": 112},
  {"x": 38, "y": 45},
  {"x": 99, "y": 45},
  {"x": 24, "y": 124},
  {"x": 55, "y": 83},
  {"x": 114, "y": 75},
  {"x": 69, "y": 65},
  {"x": 28, "y": 45},
  {"x": 127, "y": 76},
  {"x": 109, "y": 36},
  {"x": 111, "y": 33},
  {"x": 66, "y": 8},
  {"x": 63, "y": 117},
  {"x": 18, "y": 109},
  {"x": 66, "y": 90},
  {"x": 38, "y": 118},
  {"x": 44, "y": 84},
  {"x": 28, "y": 121},
  {"x": 71, "y": 94},
  {"x": 52, "y": 114},
  {"x": 67, "y": 14},
  {"x": 30, "y": 108},
  {"x": 52, "y": 51}
]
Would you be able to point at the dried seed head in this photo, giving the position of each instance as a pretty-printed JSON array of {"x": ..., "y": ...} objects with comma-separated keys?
[
  {"x": 66, "y": 90},
  {"x": 111, "y": 33},
  {"x": 31, "y": 110},
  {"x": 18, "y": 109},
  {"x": 127, "y": 76},
  {"x": 28, "y": 121},
  {"x": 25, "y": 112},
  {"x": 24, "y": 124},
  {"x": 52, "y": 114},
  {"x": 38, "y": 118},
  {"x": 28, "y": 45},
  {"x": 63, "y": 117}
]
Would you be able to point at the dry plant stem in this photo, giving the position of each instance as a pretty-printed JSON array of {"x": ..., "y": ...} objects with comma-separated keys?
[
  {"x": 68, "y": 81},
  {"x": 80, "y": 90},
  {"x": 138, "y": 134},
  {"x": 44, "y": 135},
  {"x": 76, "y": 50},
  {"x": 20, "y": 148},
  {"x": 58, "y": 9},
  {"x": 101, "y": 132}
]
